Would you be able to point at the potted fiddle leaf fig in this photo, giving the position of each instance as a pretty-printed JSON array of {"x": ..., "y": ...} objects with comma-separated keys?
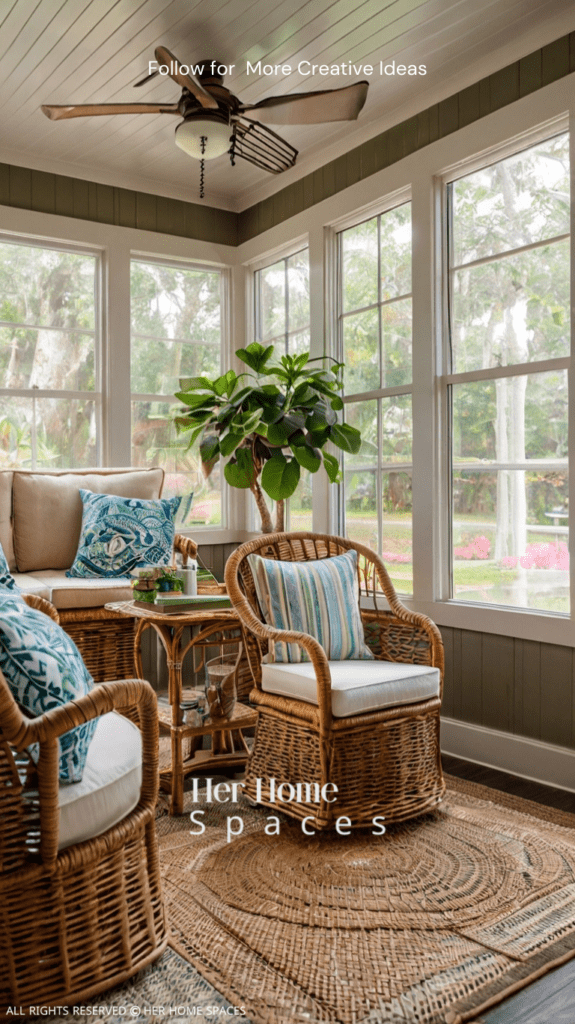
[{"x": 268, "y": 422}]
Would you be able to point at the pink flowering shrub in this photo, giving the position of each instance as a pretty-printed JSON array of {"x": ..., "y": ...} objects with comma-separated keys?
[
  {"x": 477, "y": 548},
  {"x": 540, "y": 556},
  {"x": 394, "y": 556}
]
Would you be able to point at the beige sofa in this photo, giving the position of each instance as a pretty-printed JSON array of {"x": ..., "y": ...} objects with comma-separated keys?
[{"x": 40, "y": 522}]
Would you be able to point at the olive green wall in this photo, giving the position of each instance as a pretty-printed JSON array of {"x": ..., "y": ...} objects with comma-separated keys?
[
  {"x": 106, "y": 204},
  {"x": 73, "y": 197},
  {"x": 516, "y": 686}
]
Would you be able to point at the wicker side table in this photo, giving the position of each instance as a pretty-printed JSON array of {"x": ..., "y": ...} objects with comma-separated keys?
[{"x": 228, "y": 747}]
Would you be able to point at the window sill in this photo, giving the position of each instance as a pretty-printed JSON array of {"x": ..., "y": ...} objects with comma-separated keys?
[{"x": 543, "y": 627}]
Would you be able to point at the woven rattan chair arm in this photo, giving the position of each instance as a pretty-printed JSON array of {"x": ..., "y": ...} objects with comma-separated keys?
[
  {"x": 419, "y": 622},
  {"x": 186, "y": 547},
  {"x": 42, "y": 605},
  {"x": 106, "y": 697}
]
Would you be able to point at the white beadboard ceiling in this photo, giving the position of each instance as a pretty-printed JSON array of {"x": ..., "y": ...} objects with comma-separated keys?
[{"x": 87, "y": 51}]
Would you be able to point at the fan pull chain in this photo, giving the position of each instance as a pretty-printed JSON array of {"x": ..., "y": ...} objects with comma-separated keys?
[{"x": 203, "y": 140}]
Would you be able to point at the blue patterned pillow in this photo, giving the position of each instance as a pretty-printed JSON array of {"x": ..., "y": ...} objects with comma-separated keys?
[
  {"x": 44, "y": 669},
  {"x": 122, "y": 534},
  {"x": 320, "y": 598},
  {"x": 7, "y": 581}
]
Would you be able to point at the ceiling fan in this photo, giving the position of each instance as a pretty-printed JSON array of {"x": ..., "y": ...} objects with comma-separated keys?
[{"x": 215, "y": 122}]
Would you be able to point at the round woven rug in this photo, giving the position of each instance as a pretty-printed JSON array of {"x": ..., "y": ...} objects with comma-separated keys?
[{"x": 425, "y": 924}]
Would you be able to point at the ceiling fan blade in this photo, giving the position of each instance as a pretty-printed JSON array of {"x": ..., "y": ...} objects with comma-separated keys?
[
  {"x": 163, "y": 56},
  {"x": 311, "y": 107},
  {"x": 56, "y": 113},
  {"x": 148, "y": 78}
]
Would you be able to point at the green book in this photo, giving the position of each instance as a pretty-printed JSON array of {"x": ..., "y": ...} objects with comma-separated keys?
[{"x": 186, "y": 601}]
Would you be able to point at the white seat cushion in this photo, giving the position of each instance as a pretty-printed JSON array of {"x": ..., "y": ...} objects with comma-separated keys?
[
  {"x": 81, "y": 593},
  {"x": 30, "y": 585},
  {"x": 356, "y": 686},
  {"x": 110, "y": 786}
]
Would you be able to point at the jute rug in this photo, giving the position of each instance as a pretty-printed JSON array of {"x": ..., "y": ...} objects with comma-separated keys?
[{"x": 431, "y": 923}]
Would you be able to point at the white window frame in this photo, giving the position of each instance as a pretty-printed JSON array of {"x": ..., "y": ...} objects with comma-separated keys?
[
  {"x": 282, "y": 252},
  {"x": 446, "y": 379},
  {"x": 225, "y": 316},
  {"x": 391, "y": 202},
  {"x": 98, "y": 333}
]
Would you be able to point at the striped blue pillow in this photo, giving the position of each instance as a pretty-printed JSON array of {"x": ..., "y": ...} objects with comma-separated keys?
[{"x": 320, "y": 598}]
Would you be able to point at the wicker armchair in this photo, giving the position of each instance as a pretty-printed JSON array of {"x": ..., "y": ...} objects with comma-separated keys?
[
  {"x": 385, "y": 762},
  {"x": 81, "y": 919},
  {"x": 106, "y": 638}
]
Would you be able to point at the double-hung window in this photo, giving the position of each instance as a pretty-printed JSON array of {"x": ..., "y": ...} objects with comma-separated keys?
[
  {"x": 375, "y": 332},
  {"x": 281, "y": 307},
  {"x": 50, "y": 373},
  {"x": 508, "y": 347},
  {"x": 176, "y": 333}
]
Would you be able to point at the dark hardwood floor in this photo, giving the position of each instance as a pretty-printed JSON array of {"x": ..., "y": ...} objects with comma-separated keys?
[{"x": 551, "y": 999}]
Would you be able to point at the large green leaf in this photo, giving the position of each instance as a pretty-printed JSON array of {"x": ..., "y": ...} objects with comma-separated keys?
[
  {"x": 195, "y": 401},
  {"x": 198, "y": 383},
  {"x": 255, "y": 356},
  {"x": 280, "y": 477},
  {"x": 209, "y": 447},
  {"x": 346, "y": 437},
  {"x": 230, "y": 442},
  {"x": 331, "y": 467},
  {"x": 239, "y": 471},
  {"x": 308, "y": 457}
]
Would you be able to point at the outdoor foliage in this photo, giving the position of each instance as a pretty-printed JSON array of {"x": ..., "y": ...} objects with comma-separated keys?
[{"x": 268, "y": 422}]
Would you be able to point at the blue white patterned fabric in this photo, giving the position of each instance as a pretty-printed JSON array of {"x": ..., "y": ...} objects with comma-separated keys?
[
  {"x": 7, "y": 581},
  {"x": 44, "y": 669},
  {"x": 122, "y": 534},
  {"x": 320, "y": 598}
]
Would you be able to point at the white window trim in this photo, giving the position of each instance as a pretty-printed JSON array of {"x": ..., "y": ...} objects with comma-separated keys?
[
  {"x": 98, "y": 333},
  {"x": 524, "y": 623},
  {"x": 210, "y": 533},
  {"x": 391, "y": 202}
]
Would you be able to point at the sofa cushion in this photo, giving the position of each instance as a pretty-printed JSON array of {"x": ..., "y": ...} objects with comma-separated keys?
[
  {"x": 319, "y": 597},
  {"x": 123, "y": 534},
  {"x": 44, "y": 670},
  {"x": 28, "y": 584},
  {"x": 110, "y": 787},
  {"x": 47, "y": 510},
  {"x": 356, "y": 686},
  {"x": 64, "y": 592}
]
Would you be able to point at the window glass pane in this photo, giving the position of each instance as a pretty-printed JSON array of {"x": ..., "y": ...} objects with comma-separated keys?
[
  {"x": 158, "y": 365},
  {"x": 395, "y": 250},
  {"x": 359, "y": 265},
  {"x": 300, "y": 503},
  {"x": 46, "y": 359},
  {"x": 154, "y": 443},
  {"x": 46, "y": 287},
  {"x": 363, "y": 416},
  {"x": 511, "y": 419},
  {"x": 270, "y": 283},
  {"x": 48, "y": 433},
  {"x": 513, "y": 310},
  {"x": 397, "y": 529},
  {"x": 298, "y": 289},
  {"x": 513, "y": 203},
  {"x": 396, "y": 343},
  {"x": 174, "y": 302},
  {"x": 361, "y": 520},
  {"x": 397, "y": 429},
  {"x": 298, "y": 342},
  {"x": 521, "y": 561},
  {"x": 361, "y": 352}
]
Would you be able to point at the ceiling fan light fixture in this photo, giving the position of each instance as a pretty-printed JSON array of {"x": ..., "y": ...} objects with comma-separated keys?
[{"x": 205, "y": 137}]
